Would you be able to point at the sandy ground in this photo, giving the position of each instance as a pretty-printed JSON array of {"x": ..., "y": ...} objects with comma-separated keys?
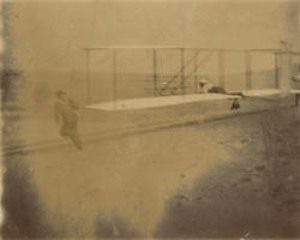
[{"x": 235, "y": 177}]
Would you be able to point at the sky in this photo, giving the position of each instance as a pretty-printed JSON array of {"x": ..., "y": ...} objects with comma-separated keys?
[
  {"x": 53, "y": 31},
  {"x": 49, "y": 37}
]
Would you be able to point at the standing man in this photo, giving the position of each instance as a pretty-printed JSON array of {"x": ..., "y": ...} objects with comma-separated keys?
[{"x": 66, "y": 117}]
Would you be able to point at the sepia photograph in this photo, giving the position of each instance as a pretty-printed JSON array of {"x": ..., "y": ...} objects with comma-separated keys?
[{"x": 150, "y": 119}]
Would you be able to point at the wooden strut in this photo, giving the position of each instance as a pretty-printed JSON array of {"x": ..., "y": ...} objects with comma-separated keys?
[
  {"x": 182, "y": 71},
  {"x": 221, "y": 68},
  {"x": 115, "y": 76},
  {"x": 248, "y": 70},
  {"x": 88, "y": 83},
  {"x": 155, "y": 89}
]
